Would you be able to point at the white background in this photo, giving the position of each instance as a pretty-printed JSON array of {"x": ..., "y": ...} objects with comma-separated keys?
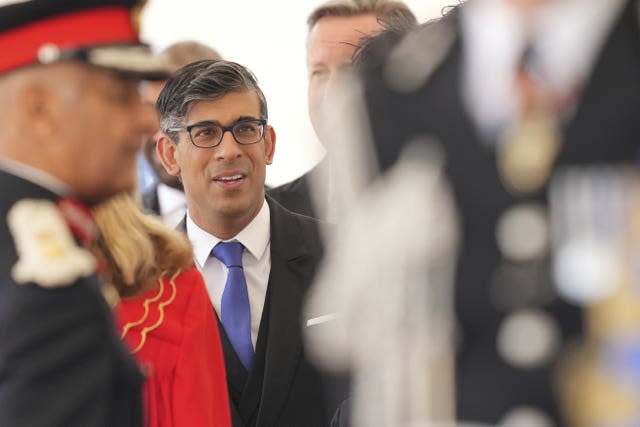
[{"x": 268, "y": 36}]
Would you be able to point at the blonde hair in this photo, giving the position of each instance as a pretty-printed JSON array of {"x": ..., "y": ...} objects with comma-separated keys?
[{"x": 138, "y": 248}]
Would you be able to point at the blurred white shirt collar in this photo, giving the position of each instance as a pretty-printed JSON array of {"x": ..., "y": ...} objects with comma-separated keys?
[
  {"x": 173, "y": 204},
  {"x": 567, "y": 36}
]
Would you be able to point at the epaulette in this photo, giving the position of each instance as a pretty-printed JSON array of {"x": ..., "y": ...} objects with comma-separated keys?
[{"x": 48, "y": 256}]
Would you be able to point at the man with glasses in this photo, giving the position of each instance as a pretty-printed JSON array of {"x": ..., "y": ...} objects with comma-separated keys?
[
  {"x": 71, "y": 123},
  {"x": 257, "y": 258}
]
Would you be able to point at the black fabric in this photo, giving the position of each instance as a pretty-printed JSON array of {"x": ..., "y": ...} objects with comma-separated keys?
[
  {"x": 292, "y": 391},
  {"x": 61, "y": 363},
  {"x": 20, "y": 14},
  {"x": 604, "y": 129},
  {"x": 342, "y": 416},
  {"x": 296, "y": 195},
  {"x": 150, "y": 200},
  {"x": 244, "y": 387}
]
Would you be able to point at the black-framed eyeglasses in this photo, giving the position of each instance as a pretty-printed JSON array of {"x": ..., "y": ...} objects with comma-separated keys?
[{"x": 208, "y": 134}]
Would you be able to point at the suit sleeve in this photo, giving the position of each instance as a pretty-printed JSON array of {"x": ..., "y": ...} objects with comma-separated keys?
[
  {"x": 200, "y": 391},
  {"x": 57, "y": 354}
]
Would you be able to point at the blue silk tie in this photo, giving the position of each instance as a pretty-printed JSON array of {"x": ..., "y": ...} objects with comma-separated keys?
[{"x": 236, "y": 313}]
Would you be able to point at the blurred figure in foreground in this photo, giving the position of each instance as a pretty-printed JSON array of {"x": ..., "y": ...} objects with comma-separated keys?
[
  {"x": 166, "y": 196},
  {"x": 513, "y": 93},
  {"x": 336, "y": 29},
  {"x": 389, "y": 320},
  {"x": 165, "y": 317},
  {"x": 71, "y": 123}
]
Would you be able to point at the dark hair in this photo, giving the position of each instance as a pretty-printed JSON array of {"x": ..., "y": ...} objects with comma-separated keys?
[
  {"x": 202, "y": 81},
  {"x": 374, "y": 49},
  {"x": 390, "y": 13}
]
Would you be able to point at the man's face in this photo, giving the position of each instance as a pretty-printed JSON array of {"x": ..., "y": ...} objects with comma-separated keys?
[
  {"x": 527, "y": 6},
  {"x": 223, "y": 184},
  {"x": 330, "y": 48},
  {"x": 103, "y": 123}
]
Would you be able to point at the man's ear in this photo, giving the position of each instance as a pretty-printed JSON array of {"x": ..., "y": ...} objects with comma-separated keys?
[
  {"x": 40, "y": 107},
  {"x": 269, "y": 143},
  {"x": 167, "y": 151}
]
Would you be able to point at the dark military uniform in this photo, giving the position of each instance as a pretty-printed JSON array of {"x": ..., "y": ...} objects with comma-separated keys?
[
  {"x": 604, "y": 129},
  {"x": 61, "y": 363}
]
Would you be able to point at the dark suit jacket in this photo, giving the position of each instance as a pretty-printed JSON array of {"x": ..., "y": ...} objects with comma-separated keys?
[
  {"x": 296, "y": 195},
  {"x": 61, "y": 363},
  {"x": 150, "y": 201},
  {"x": 283, "y": 388},
  {"x": 605, "y": 128}
]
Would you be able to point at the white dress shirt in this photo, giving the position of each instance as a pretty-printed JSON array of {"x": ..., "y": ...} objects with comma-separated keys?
[
  {"x": 256, "y": 262},
  {"x": 173, "y": 204},
  {"x": 567, "y": 36}
]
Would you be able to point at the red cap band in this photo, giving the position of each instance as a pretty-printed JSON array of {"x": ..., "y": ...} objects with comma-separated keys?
[{"x": 101, "y": 26}]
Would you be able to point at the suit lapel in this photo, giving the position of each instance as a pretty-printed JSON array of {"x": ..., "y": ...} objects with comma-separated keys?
[
  {"x": 150, "y": 200},
  {"x": 287, "y": 281},
  {"x": 182, "y": 225},
  {"x": 610, "y": 101}
]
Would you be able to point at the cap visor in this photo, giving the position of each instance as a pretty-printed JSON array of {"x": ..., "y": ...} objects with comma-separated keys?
[{"x": 135, "y": 60}]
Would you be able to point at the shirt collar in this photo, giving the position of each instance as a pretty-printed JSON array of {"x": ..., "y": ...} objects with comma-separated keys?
[
  {"x": 170, "y": 199},
  {"x": 254, "y": 237},
  {"x": 563, "y": 25},
  {"x": 495, "y": 37}
]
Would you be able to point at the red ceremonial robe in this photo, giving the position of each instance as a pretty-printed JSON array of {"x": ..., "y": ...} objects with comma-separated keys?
[{"x": 173, "y": 333}]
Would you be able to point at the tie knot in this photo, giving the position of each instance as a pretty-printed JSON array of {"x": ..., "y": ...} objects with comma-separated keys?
[{"x": 230, "y": 253}]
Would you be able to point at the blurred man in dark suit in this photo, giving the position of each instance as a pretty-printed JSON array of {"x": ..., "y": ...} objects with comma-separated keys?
[{"x": 71, "y": 122}]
